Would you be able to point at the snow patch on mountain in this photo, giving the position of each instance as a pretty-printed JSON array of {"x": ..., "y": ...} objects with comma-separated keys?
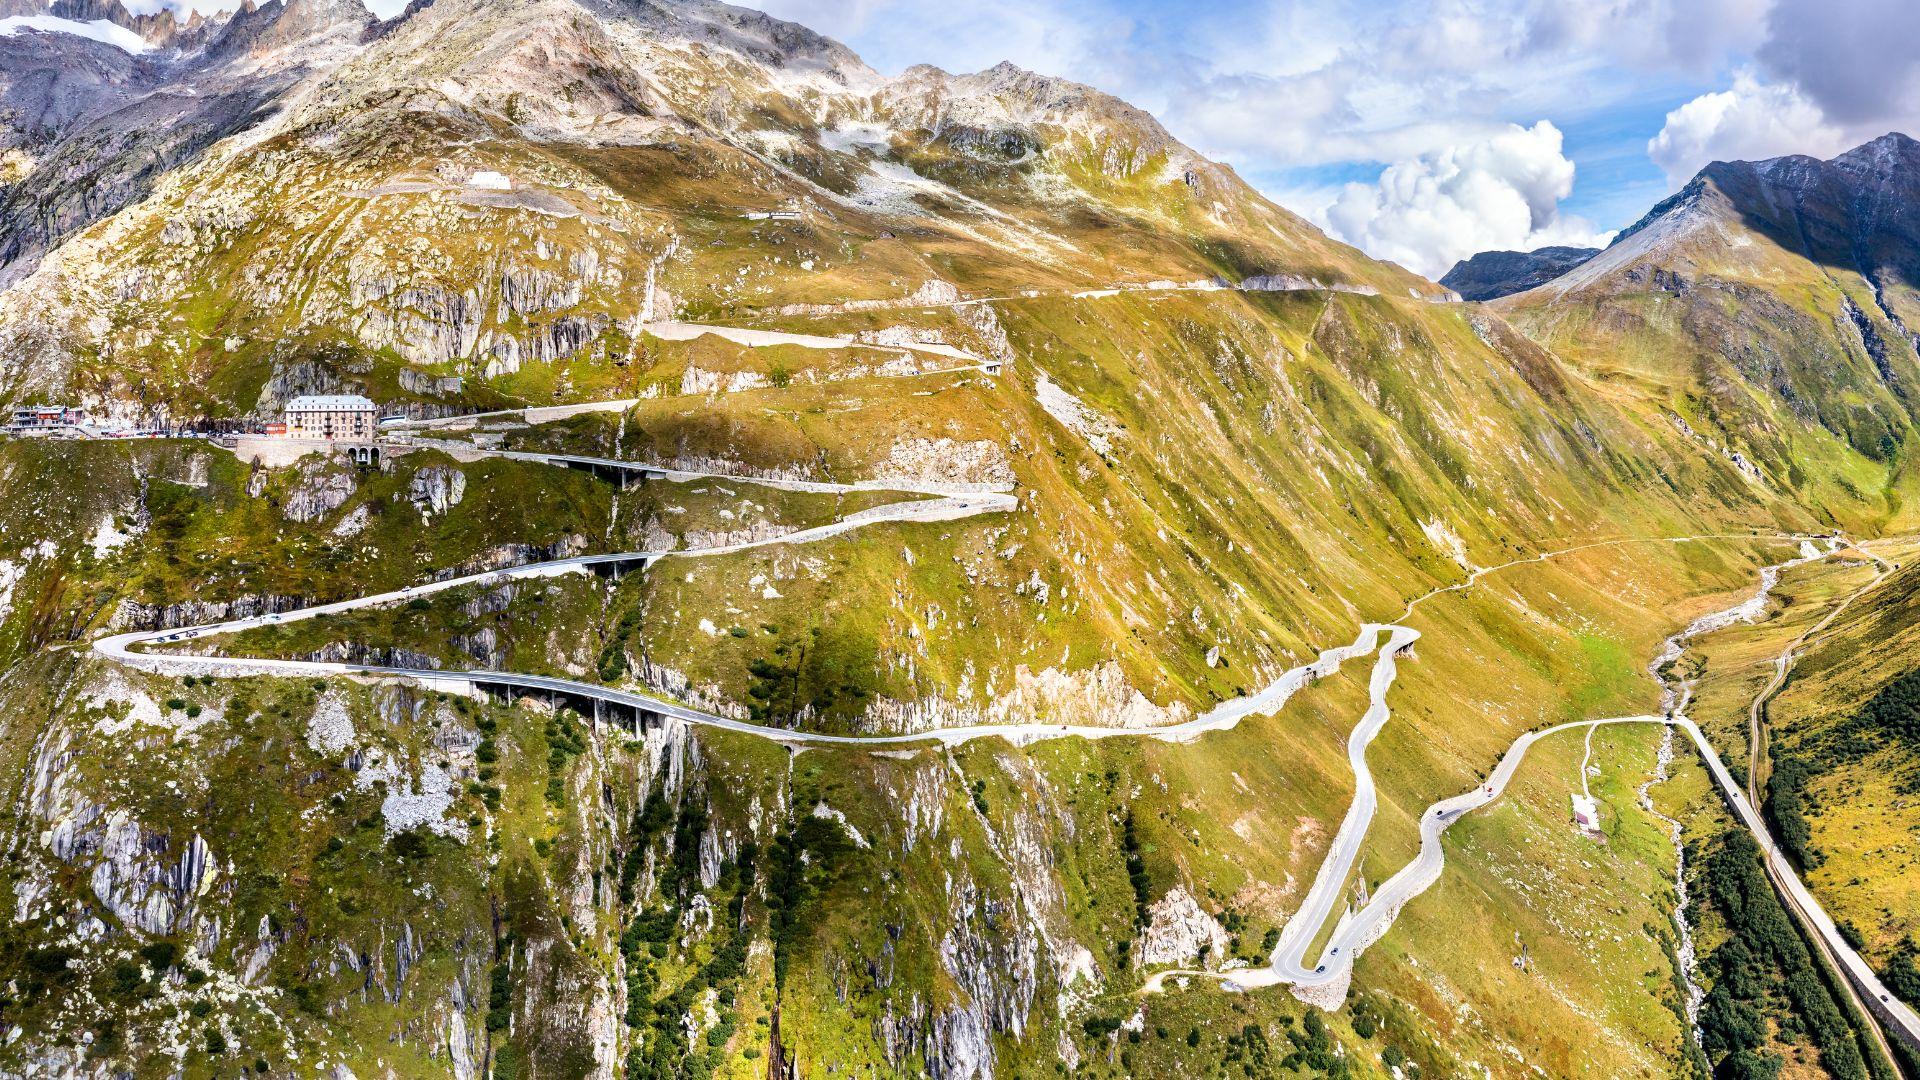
[
  {"x": 851, "y": 137},
  {"x": 95, "y": 29}
]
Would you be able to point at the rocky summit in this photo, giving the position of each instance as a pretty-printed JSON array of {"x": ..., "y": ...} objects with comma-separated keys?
[{"x": 609, "y": 538}]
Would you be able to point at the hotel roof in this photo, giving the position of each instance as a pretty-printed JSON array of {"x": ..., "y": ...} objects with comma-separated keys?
[{"x": 307, "y": 402}]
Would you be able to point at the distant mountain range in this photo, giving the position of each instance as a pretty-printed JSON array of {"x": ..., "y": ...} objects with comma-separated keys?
[
  {"x": 1859, "y": 211},
  {"x": 1493, "y": 274}
]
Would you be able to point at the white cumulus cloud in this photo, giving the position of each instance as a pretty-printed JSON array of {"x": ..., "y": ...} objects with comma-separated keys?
[
  {"x": 1496, "y": 193},
  {"x": 1749, "y": 121}
]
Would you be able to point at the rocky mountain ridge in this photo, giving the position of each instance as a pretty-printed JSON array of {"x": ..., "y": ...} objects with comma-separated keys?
[
  {"x": 90, "y": 128},
  {"x": 760, "y": 113},
  {"x": 1855, "y": 213},
  {"x": 1490, "y": 275}
]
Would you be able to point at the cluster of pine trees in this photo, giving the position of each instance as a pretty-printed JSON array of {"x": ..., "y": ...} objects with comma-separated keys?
[
  {"x": 1894, "y": 712},
  {"x": 655, "y": 1014},
  {"x": 1890, "y": 718},
  {"x": 1764, "y": 976}
]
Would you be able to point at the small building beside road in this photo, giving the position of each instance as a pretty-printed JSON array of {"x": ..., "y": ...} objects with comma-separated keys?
[
  {"x": 47, "y": 417},
  {"x": 1586, "y": 813},
  {"x": 347, "y": 417}
]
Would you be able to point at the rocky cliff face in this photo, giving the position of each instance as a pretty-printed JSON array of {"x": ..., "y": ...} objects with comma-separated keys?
[
  {"x": 95, "y": 128},
  {"x": 1859, "y": 212}
]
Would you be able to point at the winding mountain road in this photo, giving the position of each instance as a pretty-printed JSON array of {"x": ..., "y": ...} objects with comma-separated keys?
[
  {"x": 674, "y": 330},
  {"x": 754, "y": 337},
  {"x": 1322, "y": 978},
  {"x": 1886, "y": 1013},
  {"x": 1783, "y": 666}
]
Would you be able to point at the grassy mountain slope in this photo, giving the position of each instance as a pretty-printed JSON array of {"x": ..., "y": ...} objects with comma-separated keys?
[
  {"x": 1765, "y": 310},
  {"x": 1843, "y": 766},
  {"x": 1238, "y": 820},
  {"x": 1212, "y": 484}
]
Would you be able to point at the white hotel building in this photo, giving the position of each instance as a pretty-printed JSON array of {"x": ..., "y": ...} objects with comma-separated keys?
[{"x": 331, "y": 416}]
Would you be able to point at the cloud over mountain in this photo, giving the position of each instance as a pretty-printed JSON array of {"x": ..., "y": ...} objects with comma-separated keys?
[
  {"x": 1855, "y": 60},
  {"x": 1503, "y": 192},
  {"x": 1749, "y": 121},
  {"x": 1825, "y": 77},
  {"x": 1305, "y": 97}
]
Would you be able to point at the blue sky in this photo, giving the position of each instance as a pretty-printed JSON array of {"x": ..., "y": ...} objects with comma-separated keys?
[{"x": 1425, "y": 130}]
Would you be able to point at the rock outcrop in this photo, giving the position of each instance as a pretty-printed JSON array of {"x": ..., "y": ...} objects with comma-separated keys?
[
  {"x": 320, "y": 486},
  {"x": 1180, "y": 932},
  {"x": 437, "y": 488}
]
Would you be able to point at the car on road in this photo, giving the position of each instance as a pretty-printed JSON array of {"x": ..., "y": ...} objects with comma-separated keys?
[{"x": 1320, "y": 970}]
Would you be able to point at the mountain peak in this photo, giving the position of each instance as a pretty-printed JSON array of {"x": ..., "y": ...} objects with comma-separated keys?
[
  {"x": 1852, "y": 212},
  {"x": 1894, "y": 150},
  {"x": 754, "y": 34},
  {"x": 282, "y": 24},
  {"x": 1012, "y": 101},
  {"x": 1894, "y": 140}
]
